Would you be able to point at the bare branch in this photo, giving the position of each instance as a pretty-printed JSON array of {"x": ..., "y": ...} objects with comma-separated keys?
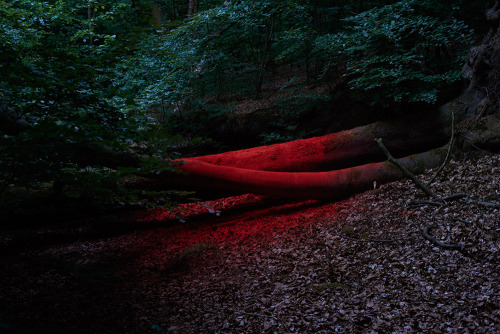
[
  {"x": 450, "y": 145},
  {"x": 403, "y": 169},
  {"x": 481, "y": 203}
]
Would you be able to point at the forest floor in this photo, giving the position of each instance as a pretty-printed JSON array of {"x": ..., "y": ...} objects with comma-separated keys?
[{"x": 261, "y": 265}]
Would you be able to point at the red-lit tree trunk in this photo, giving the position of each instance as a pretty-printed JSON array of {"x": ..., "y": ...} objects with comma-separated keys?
[
  {"x": 327, "y": 167},
  {"x": 343, "y": 163},
  {"x": 410, "y": 135},
  {"x": 333, "y": 166},
  {"x": 334, "y": 184},
  {"x": 340, "y": 164}
]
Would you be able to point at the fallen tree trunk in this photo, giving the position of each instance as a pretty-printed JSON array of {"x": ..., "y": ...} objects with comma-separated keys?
[
  {"x": 335, "y": 184},
  {"x": 316, "y": 167},
  {"x": 353, "y": 147},
  {"x": 328, "y": 167},
  {"x": 296, "y": 169}
]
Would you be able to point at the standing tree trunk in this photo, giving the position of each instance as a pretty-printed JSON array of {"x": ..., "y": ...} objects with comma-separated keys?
[
  {"x": 265, "y": 53},
  {"x": 192, "y": 7},
  {"x": 90, "y": 16},
  {"x": 340, "y": 164},
  {"x": 156, "y": 14}
]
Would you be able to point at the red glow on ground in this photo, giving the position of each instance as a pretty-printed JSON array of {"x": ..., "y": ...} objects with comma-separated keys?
[
  {"x": 298, "y": 170},
  {"x": 243, "y": 219}
]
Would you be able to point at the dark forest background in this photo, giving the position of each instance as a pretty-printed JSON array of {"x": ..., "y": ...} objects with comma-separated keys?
[{"x": 81, "y": 82}]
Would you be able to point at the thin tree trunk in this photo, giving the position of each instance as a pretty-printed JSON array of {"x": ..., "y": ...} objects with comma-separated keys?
[
  {"x": 89, "y": 18},
  {"x": 263, "y": 59},
  {"x": 192, "y": 7}
]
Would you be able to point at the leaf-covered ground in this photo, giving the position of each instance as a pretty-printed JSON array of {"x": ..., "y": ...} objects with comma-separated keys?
[{"x": 268, "y": 266}]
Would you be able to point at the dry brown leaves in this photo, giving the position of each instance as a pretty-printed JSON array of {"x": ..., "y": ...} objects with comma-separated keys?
[{"x": 356, "y": 266}]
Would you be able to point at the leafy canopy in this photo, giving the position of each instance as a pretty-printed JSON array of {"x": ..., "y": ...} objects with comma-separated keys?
[
  {"x": 406, "y": 52},
  {"x": 58, "y": 92},
  {"x": 199, "y": 68},
  {"x": 128, "y": 74}
]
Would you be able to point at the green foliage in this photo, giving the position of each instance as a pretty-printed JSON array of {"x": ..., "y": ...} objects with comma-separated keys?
[
  {"x": 406, "y": 52},
  {"x": 187, "y": 76},
  {"x": 57, "y": 63},
  {"x": 130, "y": 74},
  {"x": 220, "y": 52}
]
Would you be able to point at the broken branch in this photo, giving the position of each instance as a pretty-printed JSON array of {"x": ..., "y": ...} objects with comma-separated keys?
[
  {"x": 452, "y": 197},
  {"x": 403, "y": 169},
  {"x": 449, "y": 149},
  {"x": 481, "y": 203}
]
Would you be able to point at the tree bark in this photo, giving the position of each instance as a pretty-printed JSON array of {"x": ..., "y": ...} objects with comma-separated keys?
[
  {"x": 482, "y": 69},
  {"x": 343, "y": 149},
  {"x": 340, "y": 164},
  {"x": 303, "y": 185},
  {"x": 327, "y": 167},
  {"x": 192, "y": 7}
]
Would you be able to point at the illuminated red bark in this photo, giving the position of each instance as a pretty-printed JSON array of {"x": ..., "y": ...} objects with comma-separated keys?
[
  {"x": 328, "y": 167},
  {"x": 342, "y": 149},
  {"x": 311, "y": 185}
]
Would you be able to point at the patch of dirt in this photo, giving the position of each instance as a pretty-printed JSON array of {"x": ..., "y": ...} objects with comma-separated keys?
[{"x": 249, "y": 264}]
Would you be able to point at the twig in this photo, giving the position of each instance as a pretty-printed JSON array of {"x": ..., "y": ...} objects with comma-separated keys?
[
  {"x": 452, "y": 197},
  {"x": 481, "y": 203},
  {"x": 419, "y": 203},
  {"x": 366, "y": 240},
  {"x": 438, "y": 201},
  {"x": 449, "y": 149},
  {"x": 428, "y": 236},
  {"x": 462, "y": 221},
  {"x": 257, "y": 314},
  {"x": 403, "y": 169}
]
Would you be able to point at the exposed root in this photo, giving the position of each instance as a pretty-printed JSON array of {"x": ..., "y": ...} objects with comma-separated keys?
[{"x": 433, "y": 240}]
